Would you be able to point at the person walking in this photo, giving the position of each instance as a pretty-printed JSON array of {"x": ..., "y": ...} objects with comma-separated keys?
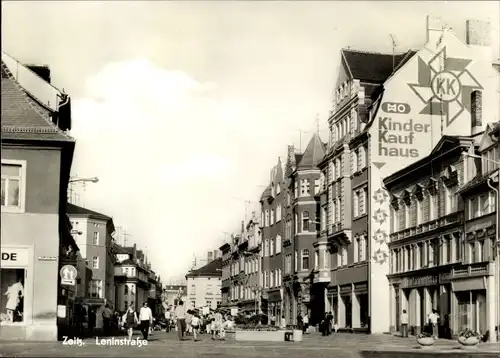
[
  {"x": 305, "y": 320},
  {"x": 107, "y": 314},
  {"x": 195, "y": 325},
  {"x": 329, "y": 319},
  {"x": 434, "y": 320},
  {"x": 168, "y": 317},
  {"x": 130, "y": 321},
  {"x": 404, "y": 324},
  {"x": 180, "y": 314},
  {"x": 146, "y": 319}
]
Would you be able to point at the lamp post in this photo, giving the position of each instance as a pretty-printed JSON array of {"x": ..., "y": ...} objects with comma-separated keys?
[{"x": 493, "y": 336}]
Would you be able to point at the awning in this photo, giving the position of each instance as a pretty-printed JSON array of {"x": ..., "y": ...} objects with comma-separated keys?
[{"x": 470, "y": 284}]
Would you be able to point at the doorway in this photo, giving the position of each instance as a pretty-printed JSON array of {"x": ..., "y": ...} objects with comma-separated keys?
[
  {"x": 397, "y": 306},
  {"x": 348, "y": 311}
]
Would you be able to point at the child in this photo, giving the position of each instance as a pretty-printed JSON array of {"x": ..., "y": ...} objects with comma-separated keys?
[{"x": 195, "y": 324}]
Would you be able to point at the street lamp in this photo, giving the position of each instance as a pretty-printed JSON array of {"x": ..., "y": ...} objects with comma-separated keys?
[
  {"x": 492, "y": 335},
  {"x": 92, "y": 180}
]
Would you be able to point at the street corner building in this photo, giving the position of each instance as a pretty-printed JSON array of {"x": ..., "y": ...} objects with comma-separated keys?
[
  {"x": 443, "y": 238},
  {"x": 204, "y": 286},
  {"x": 37, "y": 154}
]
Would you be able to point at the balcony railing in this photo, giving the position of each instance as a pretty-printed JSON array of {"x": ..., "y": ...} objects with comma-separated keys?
[
  {"x": 428, "y": 226},
  {"x": 476, "y": 269}
]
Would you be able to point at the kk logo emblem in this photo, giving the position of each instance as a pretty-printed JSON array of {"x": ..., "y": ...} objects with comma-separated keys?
[{"x": 445, "y": 86}]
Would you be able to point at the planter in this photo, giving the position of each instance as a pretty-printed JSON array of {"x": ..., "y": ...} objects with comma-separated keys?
[
  {"x": 426, "y": 342},
  {"x": 264, "y": 336},
  {"x": 469, "y": 341}
]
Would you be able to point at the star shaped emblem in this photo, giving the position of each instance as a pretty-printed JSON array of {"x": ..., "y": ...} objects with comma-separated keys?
[
  {"x": 380, "y": 216},
  {"x": 380, "y": 196},
  {"x": 380, "y": 256},
  {"x": 380, "y": 237},
  {"x": 445, "y": 86}
]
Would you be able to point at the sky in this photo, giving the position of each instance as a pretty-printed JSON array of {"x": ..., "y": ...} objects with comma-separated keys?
[{"x": 181, "y": 109}]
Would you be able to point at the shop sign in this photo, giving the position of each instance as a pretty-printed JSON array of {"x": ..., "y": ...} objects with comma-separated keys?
[
  {"x": 47, "y": 258},
  {"x": 445, "y": 277},
  {"x": 430, "y": 280},
  {"x": 14, "y": 257}
]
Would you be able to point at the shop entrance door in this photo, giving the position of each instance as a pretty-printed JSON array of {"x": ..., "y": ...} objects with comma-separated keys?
[
  {"x": 348, "y": 311},
  {"x": 397, "y": 307}
]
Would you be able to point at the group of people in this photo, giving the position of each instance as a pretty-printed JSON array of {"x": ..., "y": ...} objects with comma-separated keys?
[
  {"x": 192, "y": 322},
  {"x": 431, "y": 326},
  {"x": 85, "y": 320},
  {"x": 328, "y": 324}
]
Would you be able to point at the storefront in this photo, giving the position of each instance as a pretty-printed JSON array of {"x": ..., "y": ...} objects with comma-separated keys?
[
  {"x": 470, "y": 304},
  {"x": 419, "y": 295},
  {"x": 360, "y": 308},
  {"x": 275, "y": 306},
  {"x": 21, "y": 317}
]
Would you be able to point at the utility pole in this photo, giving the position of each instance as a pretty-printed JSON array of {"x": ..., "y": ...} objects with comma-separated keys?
[{"x": 393, "y": 52}]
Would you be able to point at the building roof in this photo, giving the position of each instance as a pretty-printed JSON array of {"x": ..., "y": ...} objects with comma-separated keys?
[
  {"x": 374, "y": 67},
  {"x": 75, "y": 210},
  {"x": 266, "y": 193},
  {"x": 313, "y": 154},
  {"x": 23, "y": 118},
  {"x": 212, "y": 269}
]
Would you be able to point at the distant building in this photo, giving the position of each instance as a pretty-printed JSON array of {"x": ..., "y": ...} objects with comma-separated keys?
[
  {"x": 93, "y": 233},
  {"x": 172, "y": 294},
  {"x": 204, "y": 286},
  {"x": 131, "y": 278}
]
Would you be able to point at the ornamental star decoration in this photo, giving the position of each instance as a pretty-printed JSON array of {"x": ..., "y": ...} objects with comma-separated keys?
[
  {"x": 380, "y": 256},
  {"x": 445, "y": 86},
  {"x": 381, "y": 237},
  {"x": 380, "y": 196},
  {"x": 380, "y": 216}
]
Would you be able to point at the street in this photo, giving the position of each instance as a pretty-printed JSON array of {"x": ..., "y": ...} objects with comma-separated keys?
[{"x": 313, "y": 346}]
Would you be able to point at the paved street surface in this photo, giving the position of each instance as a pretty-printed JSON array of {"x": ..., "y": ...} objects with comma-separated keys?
[{"x": 314, "y": 346}]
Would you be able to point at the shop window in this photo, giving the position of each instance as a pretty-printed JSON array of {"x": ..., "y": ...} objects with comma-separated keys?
[
  {"x": 12, "y": 295},
  {"x": 12, "y": 193}
]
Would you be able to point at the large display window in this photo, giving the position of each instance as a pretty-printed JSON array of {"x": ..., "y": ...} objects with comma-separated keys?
[{"x": 12, "y": 282}]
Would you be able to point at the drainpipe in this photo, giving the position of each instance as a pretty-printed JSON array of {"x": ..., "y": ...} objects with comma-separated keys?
[{"x": 493, "y": 334}]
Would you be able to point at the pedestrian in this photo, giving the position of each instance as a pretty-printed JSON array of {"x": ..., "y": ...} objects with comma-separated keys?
[
  {"x": 107, "y": 314},
  {"x": 130, "y": 321},
  {"x": 195, "y": 324},
  {"x": 283, "y": 322},
  {"x": 300, "y": 322},
  {"x": 146, "y": 319},
  {"x": 433, "y": 321},
  {"x": 305, "y": 320},
  {"x": 189, "y": 316},
  {"x": 167, "y": 319},
  {"x": 404, "y": 324},
  {"x": 329, "y": 319},
  {"x": 180, "y": 314}
]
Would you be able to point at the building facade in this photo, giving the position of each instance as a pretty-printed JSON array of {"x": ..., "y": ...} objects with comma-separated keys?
[
  {"x": 36, "y": 242},
  {"x": 93, "y": 232},
  {"x": 131, "y": 278},
  {"x": 172, "y": 294},
  {"x": 272, "y": 202},
  {"x": 476, "y": 297},
  {"x": 204, "y": 286}
]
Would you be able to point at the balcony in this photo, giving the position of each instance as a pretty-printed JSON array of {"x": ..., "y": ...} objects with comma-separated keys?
[
  {"x": 338, "y": 232},
  {"x": 428, "y": 227},
  {"x": 322, "y": 276},
  {"x": 473, "y": 270}
]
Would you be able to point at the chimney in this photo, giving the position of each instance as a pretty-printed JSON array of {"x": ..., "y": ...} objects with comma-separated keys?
[
  {"x": 476, "y": 112},
  {"x": 478, "y": 33},
  {"x": 433, "y": 24}
]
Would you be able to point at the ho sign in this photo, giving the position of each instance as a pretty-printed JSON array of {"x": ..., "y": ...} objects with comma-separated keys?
[{"x": 395, "y": 107}]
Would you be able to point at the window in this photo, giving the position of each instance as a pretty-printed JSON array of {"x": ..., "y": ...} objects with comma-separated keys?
[
  {"x": 266, "y": 218},
  {"x": 278, "y": 244},
  {"x": 317, "y": 186},
  {"x": 361, "y": 249},
  {"x": 296, "y": 260},
  {"x": 12, "y": 295},
  {"x": 288, "y": 264},
  {"x": 361, "y": 158},
  {"x": 271, "y": 219},
  {"x": 338, "y": 168},
  {"x": 271, "y": 247},
  {"x": 451, "y": 199},
  {"x": 343, "y": 255},
  {"x": 316, "y": 260},
  {"x": 95, "y": 239},
  {"x": 332, "y": 171},
  {"x": 271, "y": 279},
  {"x": 288, "y": 199},
  {"x": 305, "y": 221},
  {"x": 96, "y": 289},
  {"x": 278, "y": 213},
  {"x": 296, "y": 223},
  {"x": 481, "y": 205},
  {"x": 354, "y": 120},
  {"x": 362, "y": 201},
  {"x": 126, "y": 289},
  {"x": 354, "y": 162},
  {"x": 355, "y": 204},
  {"x": 296, "y": 189},
  {"x": 323, "y": 219},
  {"x": 95, "y": 262},
  {"x": 489, "y": 158},
  {"x": 266, "y": 248},
  {"x": 304, "y": 187},
  {"x": 326, "y": 259},
  {"x": 12, "y": 194},
  {"x": 305, "y": 259}
]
